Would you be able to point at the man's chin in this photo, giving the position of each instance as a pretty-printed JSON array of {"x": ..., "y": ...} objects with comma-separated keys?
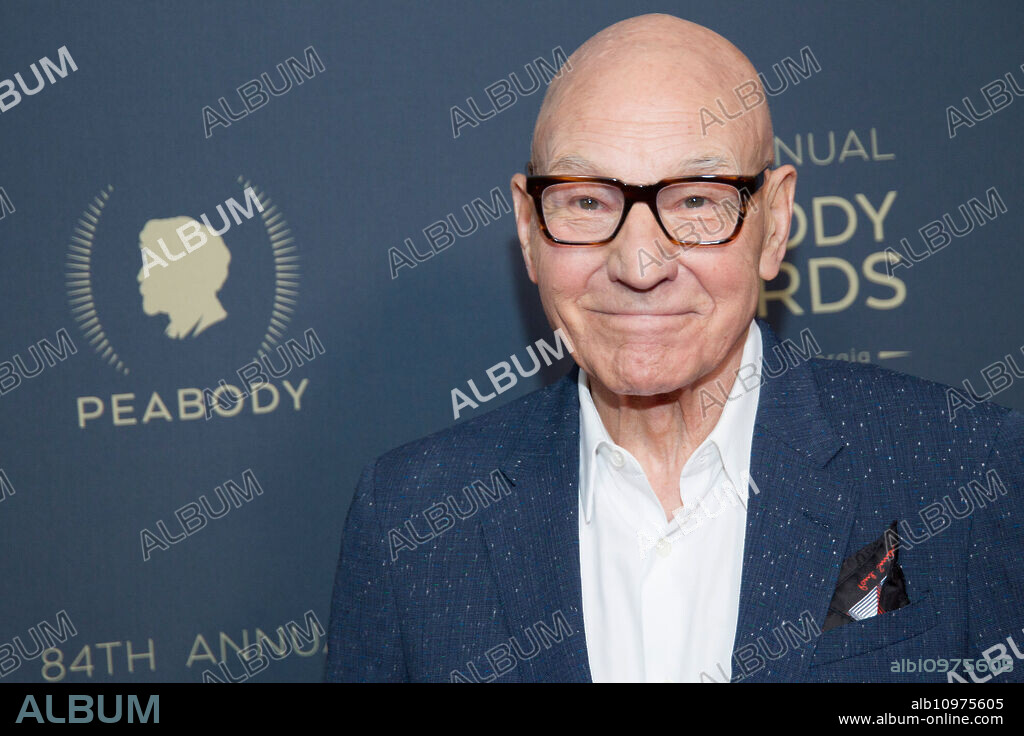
[{"x": 633, "y": 382}]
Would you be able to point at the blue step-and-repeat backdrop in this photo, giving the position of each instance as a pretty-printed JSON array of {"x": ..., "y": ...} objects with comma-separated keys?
[{"x": 246, "y": 247}]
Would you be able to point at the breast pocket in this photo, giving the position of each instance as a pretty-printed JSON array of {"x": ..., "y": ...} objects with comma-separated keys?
[{"x": 885, "y": 629}]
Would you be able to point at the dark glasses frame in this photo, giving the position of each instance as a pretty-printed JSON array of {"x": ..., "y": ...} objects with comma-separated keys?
[{"x": 648, "y": 194}]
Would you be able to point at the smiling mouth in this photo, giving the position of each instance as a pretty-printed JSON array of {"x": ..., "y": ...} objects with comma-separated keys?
[{"x": 641, "y": 314}]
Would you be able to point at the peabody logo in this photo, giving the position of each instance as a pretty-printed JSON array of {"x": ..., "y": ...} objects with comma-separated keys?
[
  {"x": 190, "y": 293},
  {"x": 187, "y": 292}
]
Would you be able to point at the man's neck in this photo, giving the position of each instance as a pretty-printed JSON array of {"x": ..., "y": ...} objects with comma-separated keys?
[{"x": 664, "y": 430}]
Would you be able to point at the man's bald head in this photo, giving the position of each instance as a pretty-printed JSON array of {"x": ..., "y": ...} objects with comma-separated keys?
[
  {"x": 634, "y": 105},
  {"x": 656, "y": 66}
]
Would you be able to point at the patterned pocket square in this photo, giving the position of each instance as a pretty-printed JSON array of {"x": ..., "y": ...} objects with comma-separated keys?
[{"x": 870, "y": 582}]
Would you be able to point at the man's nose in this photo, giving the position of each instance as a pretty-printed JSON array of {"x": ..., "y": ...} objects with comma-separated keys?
[{"x": 641, "y": 255}]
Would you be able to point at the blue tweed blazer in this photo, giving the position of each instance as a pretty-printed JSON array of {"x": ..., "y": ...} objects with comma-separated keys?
[{"x": 460, "y": 554}]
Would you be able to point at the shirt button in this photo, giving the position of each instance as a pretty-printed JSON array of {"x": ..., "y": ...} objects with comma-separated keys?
[
  {"x": 664, "y": 547},
  {"x": 617, "y": 459}
]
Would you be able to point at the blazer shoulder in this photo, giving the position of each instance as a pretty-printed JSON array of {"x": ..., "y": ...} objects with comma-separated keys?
[
  {"x": 473, "y": 449},
  {"x": 855, "y": 395}
]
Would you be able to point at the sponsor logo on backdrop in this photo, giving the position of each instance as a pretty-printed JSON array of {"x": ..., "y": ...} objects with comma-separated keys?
[
  {"x": 226, "y": 656},
  {"x": 255, "y": 658},
  {"x": 837, "y": 276},
  {"x": 182, "y": 267}
]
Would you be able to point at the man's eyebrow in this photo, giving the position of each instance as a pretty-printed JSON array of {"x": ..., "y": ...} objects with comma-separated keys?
[
  {"x": 709, "y": 164},
  {"x": 571, "y": 164}
]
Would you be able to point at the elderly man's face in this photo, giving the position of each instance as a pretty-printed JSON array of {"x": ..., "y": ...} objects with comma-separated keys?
[{"x": 640, "y": 327}]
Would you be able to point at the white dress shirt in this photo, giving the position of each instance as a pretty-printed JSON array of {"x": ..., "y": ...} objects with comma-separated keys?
[{"x": 661, "y": 599}]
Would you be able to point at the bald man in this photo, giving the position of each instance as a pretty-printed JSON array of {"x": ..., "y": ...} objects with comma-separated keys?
[{"x": 620, "y": 526}]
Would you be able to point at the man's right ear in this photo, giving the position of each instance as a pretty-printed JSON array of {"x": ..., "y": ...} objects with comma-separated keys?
[{"x": 523, "y": 205}]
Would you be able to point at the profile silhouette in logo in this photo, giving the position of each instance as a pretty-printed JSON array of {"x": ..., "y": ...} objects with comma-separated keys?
[{"x": 184, "y": 265}]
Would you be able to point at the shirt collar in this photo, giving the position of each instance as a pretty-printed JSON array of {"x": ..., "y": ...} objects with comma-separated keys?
[
  {"x": 734, "y": 432},
  {"x": 732, "y": 435},
  {"x": 592, "y": 435}
]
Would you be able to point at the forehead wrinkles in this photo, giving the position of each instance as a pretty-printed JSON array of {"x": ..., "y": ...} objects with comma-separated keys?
[
  {"x": 647, "y": 66},
  {"x": 649, "y": 148},
  {"x": 643, "y": 127}
]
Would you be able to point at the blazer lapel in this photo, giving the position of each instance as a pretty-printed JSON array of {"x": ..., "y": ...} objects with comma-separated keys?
[
  {"x": 798, "y": 523},
  {"x": 533, "y": 539}
]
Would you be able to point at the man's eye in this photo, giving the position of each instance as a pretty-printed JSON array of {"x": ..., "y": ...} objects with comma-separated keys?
[
  {"x": 588, "y": 203},
  {"x": 694, "y": 202}
]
